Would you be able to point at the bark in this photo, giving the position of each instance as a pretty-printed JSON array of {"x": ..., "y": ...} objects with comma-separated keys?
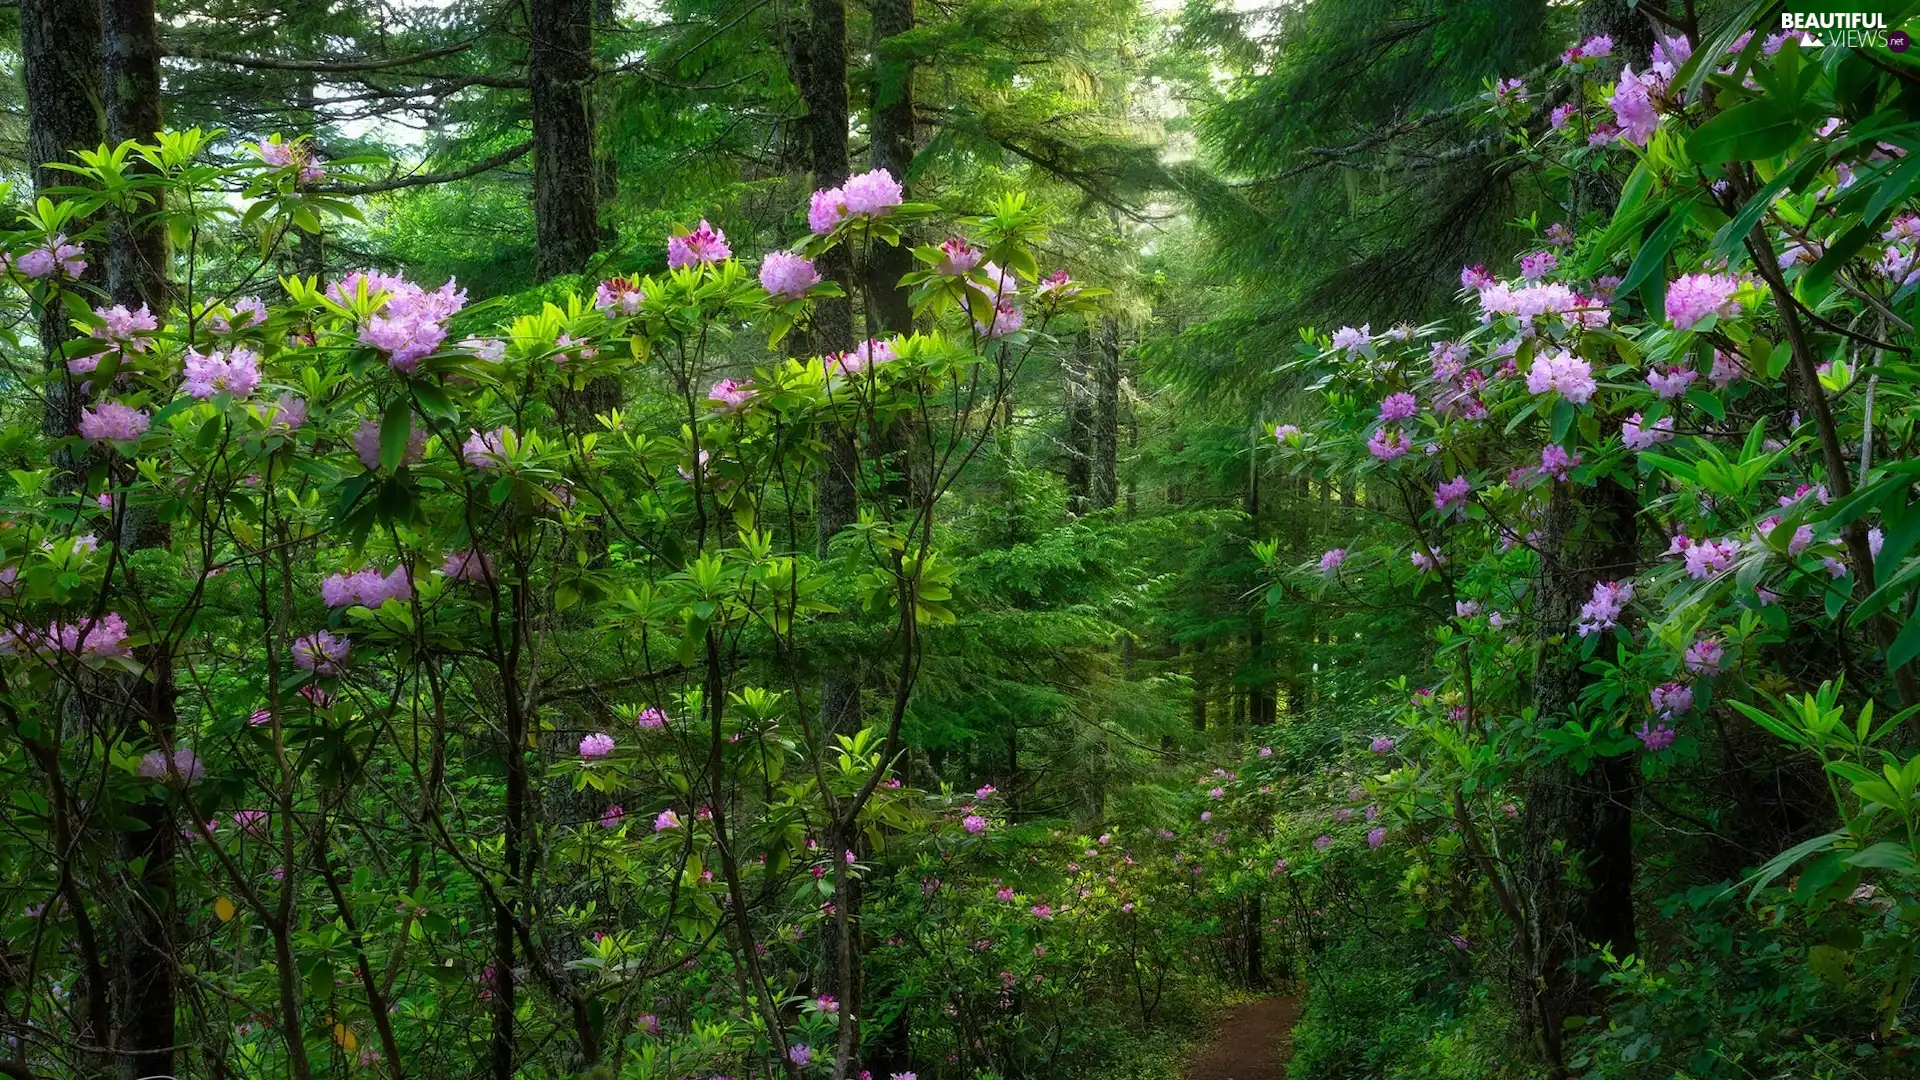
[
  {"x": 1079, "y": 370},
  {"x": 890, "y": 119},
  {"x": 1588, "y": 536},
  {"x": 1106, "y": 415},
  {"x": 566, "y": 203},
  {"x": 60, "y": 65},
  {"x": 130, "y": 55}
]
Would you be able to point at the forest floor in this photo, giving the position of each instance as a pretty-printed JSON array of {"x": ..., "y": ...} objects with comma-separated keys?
[{"x": 1253, "y": 1042}]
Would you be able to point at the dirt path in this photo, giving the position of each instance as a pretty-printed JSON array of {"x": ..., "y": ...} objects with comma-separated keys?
[{"x": 1253, "y": 1043}]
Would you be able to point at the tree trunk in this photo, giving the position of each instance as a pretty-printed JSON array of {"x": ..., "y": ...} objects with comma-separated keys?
[
  {"x": 1588, "y": 817},
  {"x": 890, "y": 119},
  {"x": 566, "y": 202},
  {"x": 1079, "y": 392},
  {"x": 130, "y": 54},
  {"x": 1106, "y": 415},
  {"x": 60, "y": 65}
]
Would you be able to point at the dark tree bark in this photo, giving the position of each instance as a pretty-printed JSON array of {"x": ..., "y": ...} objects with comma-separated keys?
[
  {"x": 1080, "y": 366},
  {"x": 130, "y": 54},
  {"x": 60, "y": 62},
  {"x": 1106, "y": 416},
  {"x": 147, "y": 992},
  {"x": 566, "y": 181},
  {"x": 1588, "y": 536},
  {"x": 890, "y": 119}
]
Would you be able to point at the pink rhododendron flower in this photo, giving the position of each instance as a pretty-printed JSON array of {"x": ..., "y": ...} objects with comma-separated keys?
[
  {"x": 1376, "y": 836},
  {"x": 320, "y": 653},
  {"x": 873, "y": 194},
  {"x": 285, "y": 414},
  {"x": 1556, "y": 462},
  {"x": 828, "y": 209},
  {"x": 1538, "y": 264},
  {"x": 1452, "y": 494},
  {"x": 251, "y": 822},
  {"x": 1388, "y": 445},
  {"x": 729, "y": 396},
  {"x": 1352, "y": 340},
  {"x": 1636, "y": 437},
  {"x": 612, "y": 817},
  {"x": 1633, "y": 107},
  {"x": 1561, "y": 114},
  {"x": 369, "y": 588},
  {"x": 1672, "y": 382},
  {"x": 700, "y": 247},
  {"x": 1693, "y": 297},
  {"x": 1563, "y": 373},
  {"x": 651, "y": 717},
  {"x": 1475, "y": 277},
  {"x": 488, "y": 451},
  {"x": 469, "y": 565},
  {"x": 111, "y": 421},
  {"x": 1286, "y": 434},
  {"x": 619, "y": 296},
  {"x": 1382, "y": 744},
  {"x": 1671, "y": 699},
  {"x": 1709, "y": 557},
  {"x": 957, "y": 256},
  {"x": 182, "y": 766},
  {"x": 974, "y": 824},
  {"x": 787, "y": 275},
  {"x": 667, "y": 819},
  {"x": 1706, "y": 656},
  {"x": 236, "y": 373},
  {"x": 1426, "y": 563},
  {"x": 1400, "y": 406},
  {"x": 1604, "y": 610},
  {"x": 410, "y": 323},
  {"x": 366, "y": 444},
  {"x": 1331, "y": 560},
  {"x": 123, "y": 327},
  {"x": 1656, "y": 737},
  {"x": 597, "y": 745},
  {"x": 1007, "y": 318}
]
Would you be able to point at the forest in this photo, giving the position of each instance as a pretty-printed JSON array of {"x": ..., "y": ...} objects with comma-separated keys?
[{"x": 960, "y": 540}]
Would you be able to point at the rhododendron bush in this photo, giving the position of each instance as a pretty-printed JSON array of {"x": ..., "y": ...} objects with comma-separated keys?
[
  {"x": 1650, "y": 499},
  {"x": 468, "y": 722}
]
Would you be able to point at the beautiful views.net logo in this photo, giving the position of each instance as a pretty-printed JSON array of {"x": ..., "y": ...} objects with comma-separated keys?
[{"x": 1847, "y": 29}]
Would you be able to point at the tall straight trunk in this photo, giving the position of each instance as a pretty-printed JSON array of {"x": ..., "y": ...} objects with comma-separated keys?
[
  {"x": 60, "y": 65},
  {"x": 130, "y": 55},
  {"x": 1079, "y": 411},
  {"x": 566, "y": 182},
  {"x": 147, "y": 992},
  {"x": 890, "y": 120},
  {"x": 1106, "y": 415},
  {"x": 1588, "y": 536},
  {"x": 1260, "y": 698}
]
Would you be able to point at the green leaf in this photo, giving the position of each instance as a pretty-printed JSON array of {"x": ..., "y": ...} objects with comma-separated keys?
[
  {"x": 1751, "y": 131},
  {"x": 1653, "y": 254},
  {"x": 1707, "y": 403},
  {"x": 396, "y": 427}
]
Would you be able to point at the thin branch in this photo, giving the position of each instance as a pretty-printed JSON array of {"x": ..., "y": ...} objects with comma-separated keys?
[
  {"x": 423, "y": 179},
  {"x": 267, "y": 63}
]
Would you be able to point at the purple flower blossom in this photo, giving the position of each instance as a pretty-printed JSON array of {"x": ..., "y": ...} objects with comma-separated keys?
[
  {"x": 488, "y": 451},
  {"x": 123, "y": 327},
  {"x": 1561, "y": 114},
  {"x": 1475, "y": 277},
  {"x": 597, "y": 745},
  {"x": 1671, "y": 699},
  {"x": 1382, "y": 744},
  {"x": 828, "y": 209},
  {"x": 320, "y": 653},
  {"x": 1556, "y": 462},
  {"x": 1538, "y": 264},
  {"x": 787, "y": 275},
  {"x": 369, "y": 587},
  {"x": 871, "y": 194},
  {"x": 469, "y": 565},
  {"x": 1322, "y": 842},
  {"x": 1707, "y": 656},
  {"x": 286, "y": 414},
  {"x": 236, "y": 373},
  {"x": 183, "y": 766},
  {"x": 1671, "y": 383},
  {"x": 665, "y": 820},
  {"x": 703, "y": 245},
  {"x": 1007, "y": 318},
  {"x": 623, "y": 296},
  {"x": 1351, "y": 340},
  {"x": 1691, "y": 298},
  {"x": 1376, "y": 836},
  {"x": 974, "y": 824},
  {"x": 1602, "y": 612},
  {"x": 366, "y": 444},
  {"x": 1388, "y": 445},
  {"x": 1452, "y": 494},
  {"x": 111, "y": 421},
  {"x": 1633, "y": 107},
  {"x": 612, "y": 817},
  {"x": 1709, "y": 557},
  {"x": 1656, "y": 737},
  {"x": 1563, "y": 373},
  {"x": 729, "y": 396},
  {"x": 410, "y": 322},
  {"x": 957, "y": 257},
  {"x": 1636, "y": 437},
  {"x": 1331, "y": 560},
  {"x": 1400, "y": 406}
]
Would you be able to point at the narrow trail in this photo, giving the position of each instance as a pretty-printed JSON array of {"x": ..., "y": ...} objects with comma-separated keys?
[{"x": 1253, "y": 1042}]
